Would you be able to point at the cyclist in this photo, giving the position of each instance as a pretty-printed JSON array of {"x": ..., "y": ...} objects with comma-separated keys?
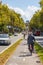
[{"x": 30, "y": 40}]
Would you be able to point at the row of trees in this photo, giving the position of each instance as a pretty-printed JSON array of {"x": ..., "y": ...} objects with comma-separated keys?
[
  {"x": 9, "y": 17},
  {"x": 36, "y": 21}
]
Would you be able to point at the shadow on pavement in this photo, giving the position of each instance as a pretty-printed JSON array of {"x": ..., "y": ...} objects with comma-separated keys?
[
  {"x": 26, "y": 55},
  {"x": 24, "y": 52},
  {"x": 38, "y": 61},
  {"x": 24, "y": 44}
]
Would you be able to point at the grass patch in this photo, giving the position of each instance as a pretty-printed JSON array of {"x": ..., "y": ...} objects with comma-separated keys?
[
  {"x": 39, "y": 50},
  {"x": 7, "y": 53}
]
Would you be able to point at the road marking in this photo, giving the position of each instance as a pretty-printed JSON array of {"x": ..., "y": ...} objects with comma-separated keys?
[{"x": 23, "y": 59}]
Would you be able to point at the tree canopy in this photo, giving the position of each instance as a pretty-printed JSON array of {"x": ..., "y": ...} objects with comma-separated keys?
[
  {"x": 37, "y": 19},
  {"x": 10, "y": 17}
]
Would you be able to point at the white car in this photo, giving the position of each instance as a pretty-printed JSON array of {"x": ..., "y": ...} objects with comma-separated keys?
[
  {"x": 4, "y": 39},
  {"x": 15, "y": 34}
]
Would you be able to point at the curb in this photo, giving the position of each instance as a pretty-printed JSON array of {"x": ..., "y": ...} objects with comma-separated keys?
[
  {"x": 11, "y": 54},
  {"x": 10, "y": 45}
]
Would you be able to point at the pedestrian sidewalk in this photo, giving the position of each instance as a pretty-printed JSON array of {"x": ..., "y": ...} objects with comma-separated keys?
[{"x": 22, "y": 56}]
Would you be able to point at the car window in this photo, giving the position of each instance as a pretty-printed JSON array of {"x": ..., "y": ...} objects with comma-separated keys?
[{"x": 4, "y": 36}]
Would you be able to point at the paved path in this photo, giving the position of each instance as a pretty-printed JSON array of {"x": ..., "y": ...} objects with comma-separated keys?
[{"x": 21, "y": 56}]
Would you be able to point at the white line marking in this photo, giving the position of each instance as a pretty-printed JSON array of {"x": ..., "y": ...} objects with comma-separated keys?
[{"x": 23, "y": 59}]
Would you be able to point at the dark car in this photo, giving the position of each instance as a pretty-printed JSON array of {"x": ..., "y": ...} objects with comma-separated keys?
[{"x": 37, "y": 33}]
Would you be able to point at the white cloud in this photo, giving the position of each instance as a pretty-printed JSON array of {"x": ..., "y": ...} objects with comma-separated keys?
[
  {"x": 28, "y": 13},
  {"x": 18, "y": 10}
]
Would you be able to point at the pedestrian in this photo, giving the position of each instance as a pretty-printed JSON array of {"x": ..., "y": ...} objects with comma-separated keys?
[
  {"x": 24, "y": 34},
  {"x": 30, "y": 40}
]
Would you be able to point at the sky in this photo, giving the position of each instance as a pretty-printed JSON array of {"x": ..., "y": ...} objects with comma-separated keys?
[{"x": 25, "y": 7}]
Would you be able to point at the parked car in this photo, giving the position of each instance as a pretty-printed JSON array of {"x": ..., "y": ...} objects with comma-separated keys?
[
  {"x": 4, "y": 39},
  {"x": 37, "y": 33},
  {"x": 15, "y": 34}
]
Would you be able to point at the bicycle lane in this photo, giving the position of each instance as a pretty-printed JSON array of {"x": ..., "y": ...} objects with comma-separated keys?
[{"x": 22, "y": 56}]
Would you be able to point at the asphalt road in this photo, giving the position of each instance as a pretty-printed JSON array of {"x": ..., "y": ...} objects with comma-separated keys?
[
  {"x": 39, "y": 39},
  {"x": 13, "y": 39}
]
